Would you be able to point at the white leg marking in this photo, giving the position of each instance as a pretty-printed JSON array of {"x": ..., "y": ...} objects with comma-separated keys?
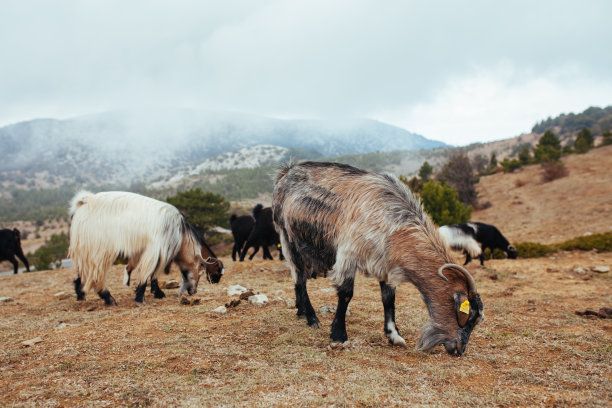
[{"x": 394, "y": 336}]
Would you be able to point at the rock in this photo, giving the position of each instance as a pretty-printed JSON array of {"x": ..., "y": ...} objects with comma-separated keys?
[
  {"x": 171, "y": 284},
  {"x": 327, "y": 290},
  {"x": 279, "y": 293},
  {"x": 31, "y": 342},
  {"x": 6, "y": 299},
  {"x": 258, "y": 300},
  {"x": 579, "y": 270},
  {"x": 247, "y": 294},
  {"x": 220, "y": 309},
  {"x": 325, "y": 310},
  {"x": 62, "y": 295},
  {"x": 290, "y": 303},
  {"x": 236, "y": 290},
  {"x": 61, "y": 326},
  {"x": 601, "y": 269}
]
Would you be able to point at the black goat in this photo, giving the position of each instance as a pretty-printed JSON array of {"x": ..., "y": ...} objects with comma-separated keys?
[
  {"x": 241, "y": 229},
  {"x": 10, "y": 246},
  {"x": 263, "y": 234},
  {"x": 474, "y": 238}
]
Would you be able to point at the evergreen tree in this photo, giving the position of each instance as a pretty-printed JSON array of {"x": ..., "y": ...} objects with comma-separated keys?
[
  {"x": 425, "y": 172},
  {"x": 202, "y": 210},
  {"x": 584, "y": 141},
  {"x": 548, "y": 149},
  {"x": 442, "y": 203},
  {"x": 525, "y": 155}
]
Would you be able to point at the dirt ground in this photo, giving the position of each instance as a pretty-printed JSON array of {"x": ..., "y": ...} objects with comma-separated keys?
[{"x": 531, "y": 350}]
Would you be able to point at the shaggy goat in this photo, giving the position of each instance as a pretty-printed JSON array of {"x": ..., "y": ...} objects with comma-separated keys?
[
  {"x": 10, "y": 247},
  {"x": 151, "y": 233},
  {"x": 241, "y": 229},
  {"x": 337, "y": 218},
  {"x": 263, "y": 234},
  {"x": 474, "y": 238}
]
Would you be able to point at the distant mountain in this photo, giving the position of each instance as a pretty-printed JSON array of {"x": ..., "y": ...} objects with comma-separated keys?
[{"x": 122, "y": 147}]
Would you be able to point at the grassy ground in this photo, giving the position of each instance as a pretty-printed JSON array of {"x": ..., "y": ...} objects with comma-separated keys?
[{"x": 531, "y": 350}]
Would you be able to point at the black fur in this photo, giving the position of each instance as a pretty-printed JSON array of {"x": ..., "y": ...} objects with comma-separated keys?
[
  {"x": 388, "y": 299},
  {"x": 78, "y": 288},
  {"x": 241, "y": 229},
  {"x": 262, "y": 235},
  {"x": 10, "y": 247},
  {"x": 108, "y": 299},
  {"x": 345, "y": 294}
]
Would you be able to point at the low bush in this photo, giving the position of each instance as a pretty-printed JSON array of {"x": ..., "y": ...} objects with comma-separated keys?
[
  {"x": 600, "y": 242},
  {"x": 51, "y": 254},
  {"x": 553, "y": 170},
  {"x": 533, "y": 249}
]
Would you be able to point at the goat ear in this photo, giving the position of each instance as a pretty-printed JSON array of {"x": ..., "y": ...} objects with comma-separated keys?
[{"x": 462, "y": 308}]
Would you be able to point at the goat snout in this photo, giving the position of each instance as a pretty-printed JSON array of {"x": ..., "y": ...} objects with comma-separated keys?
[{"x": 455, "y": 347}]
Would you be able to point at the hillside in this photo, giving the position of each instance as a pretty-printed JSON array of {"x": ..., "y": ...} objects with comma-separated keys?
[
  {"x": 527, "y": 209},
  {"x": 126, "y": 147}
]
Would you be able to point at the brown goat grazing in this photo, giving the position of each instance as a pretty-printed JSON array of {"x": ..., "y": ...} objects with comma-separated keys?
[{"x": 337, "y": 218}]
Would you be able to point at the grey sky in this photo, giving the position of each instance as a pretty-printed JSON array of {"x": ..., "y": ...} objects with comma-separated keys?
[{"x": 453, "y": 71}]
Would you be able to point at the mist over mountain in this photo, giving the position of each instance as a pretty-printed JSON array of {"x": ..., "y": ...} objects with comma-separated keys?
[{"x": 138, "y": 146}]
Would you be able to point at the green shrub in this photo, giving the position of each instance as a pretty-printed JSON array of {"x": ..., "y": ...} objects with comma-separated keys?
[
  {"x": 442, "y": 203},
  {"x": 52, "y": 253},
  {"x": 600, "y": 242},
  {"x": 533, "y": 249},
  {"x": 510, "y": 165}
]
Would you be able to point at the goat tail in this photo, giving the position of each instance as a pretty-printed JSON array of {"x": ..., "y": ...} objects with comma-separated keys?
[{"x": 78, "y": 200}]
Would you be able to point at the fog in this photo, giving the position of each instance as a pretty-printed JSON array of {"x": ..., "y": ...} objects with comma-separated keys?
[{"x": 459, "y": 72}]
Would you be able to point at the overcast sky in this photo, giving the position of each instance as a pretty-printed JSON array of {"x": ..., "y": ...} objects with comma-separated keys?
[{"x": 456, "y": 71}]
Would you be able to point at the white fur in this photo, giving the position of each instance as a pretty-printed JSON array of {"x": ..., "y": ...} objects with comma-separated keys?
[
  {"x": 457, "y": 239},
  {"x": 112, "y": 224},
  {"x": 394, "y": 336}
]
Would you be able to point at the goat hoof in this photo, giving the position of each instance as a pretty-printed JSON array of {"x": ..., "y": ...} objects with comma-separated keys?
[
  {"x": 339, "y": 337},
  {"x": 397, "y": 341},
  {"x": 139, "y": 304},
  {"x": 159, "y": 295},
  {"x": 314, "y": 324}
]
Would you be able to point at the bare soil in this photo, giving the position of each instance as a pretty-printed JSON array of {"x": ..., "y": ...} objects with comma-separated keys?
[{"x": 531, "y": 350}]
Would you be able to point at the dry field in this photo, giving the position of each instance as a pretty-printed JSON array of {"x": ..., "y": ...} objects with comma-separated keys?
[{"x": 531, "y": 350}]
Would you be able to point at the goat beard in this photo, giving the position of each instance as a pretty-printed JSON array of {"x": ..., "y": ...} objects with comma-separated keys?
[{"x": 431, "y": 336}]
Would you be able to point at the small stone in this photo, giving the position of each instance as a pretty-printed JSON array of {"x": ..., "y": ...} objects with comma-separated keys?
[
  {"x": 601, "y": 269},
  {"x": 258, "y": 300},
  {"x": 171, "y": 284},
  {"x": 579, "y": 270},
  {"x": 236, "y": 290},
  {"x": 63, "y": 295},
  {"x": 220, "y": 309},
  {"x": 327, "y": 290},
  {"x": 6, "y": 299},
  {"x": 290, "y": 303},
  {"x": 31, "y": 342},
  {"x": 279, "y": 293},
  {"x": 552, "y": 270},
  {"x": 326, "y": 310},
  {"x": 61, "y": 326}
]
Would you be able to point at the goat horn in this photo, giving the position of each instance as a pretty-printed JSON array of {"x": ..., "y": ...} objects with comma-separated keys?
[{"x": 465, "y": 272}]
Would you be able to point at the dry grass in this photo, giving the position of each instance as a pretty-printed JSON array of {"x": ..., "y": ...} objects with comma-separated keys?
[{"x": 531, "y": 350}]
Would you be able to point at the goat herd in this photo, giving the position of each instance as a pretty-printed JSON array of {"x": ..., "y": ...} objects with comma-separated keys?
[{"x": 329, "y": 219}]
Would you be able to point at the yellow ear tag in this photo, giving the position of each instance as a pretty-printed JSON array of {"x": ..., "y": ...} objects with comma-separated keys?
[{"x": 465, "y": 307}]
